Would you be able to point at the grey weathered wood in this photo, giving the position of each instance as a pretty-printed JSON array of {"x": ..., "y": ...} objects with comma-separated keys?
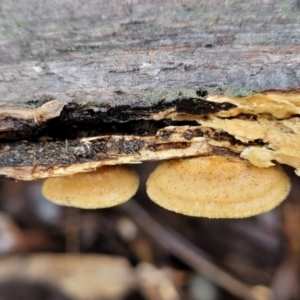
[{"x": 86, "y": 50}]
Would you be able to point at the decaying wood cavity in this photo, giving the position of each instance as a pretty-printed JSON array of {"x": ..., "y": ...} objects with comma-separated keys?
[{"x": 58, "y": 139}]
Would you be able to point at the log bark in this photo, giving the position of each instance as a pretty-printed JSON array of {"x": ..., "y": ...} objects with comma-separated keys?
[
  {"x": 59, "y": 60},
  {"x": 89, "y": 50}
]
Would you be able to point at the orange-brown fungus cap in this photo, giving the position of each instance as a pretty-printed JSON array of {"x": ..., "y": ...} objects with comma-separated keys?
[
  {"x": 217, "y": 187},
  {"x": 108, "y": 186}
]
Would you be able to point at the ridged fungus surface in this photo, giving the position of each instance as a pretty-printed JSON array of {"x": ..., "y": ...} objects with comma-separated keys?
[
  {"x": 108, "y": 186},
  {"x": 217, "y": 187}
]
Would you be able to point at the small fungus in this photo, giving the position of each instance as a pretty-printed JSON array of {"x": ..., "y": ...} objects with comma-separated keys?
[
  {"x": 108, "y": 186},
  {"x": 217, "y": 187}
]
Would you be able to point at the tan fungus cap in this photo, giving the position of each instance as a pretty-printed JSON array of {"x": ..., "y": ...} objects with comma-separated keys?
[
  {"x": 217, "y": 187},
  {"x": 108, "y": 186}
]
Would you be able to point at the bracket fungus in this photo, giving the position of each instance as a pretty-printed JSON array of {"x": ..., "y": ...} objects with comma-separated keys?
[
  {"x": 217, "y": 187},
  {"x": 108, "y": 186}
]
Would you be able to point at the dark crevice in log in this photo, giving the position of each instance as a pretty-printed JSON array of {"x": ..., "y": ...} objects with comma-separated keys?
[
  {"x": 220, "y": 135},
  {"x": 58, "y": 130},
  {"x": 77, "y": 121},
  {"x": 125, "y": 113}
]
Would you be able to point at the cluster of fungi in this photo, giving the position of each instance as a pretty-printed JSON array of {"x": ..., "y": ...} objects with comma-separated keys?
[
  {"x": 213, "y": 187},
  {"x": 243, "y": 180}
]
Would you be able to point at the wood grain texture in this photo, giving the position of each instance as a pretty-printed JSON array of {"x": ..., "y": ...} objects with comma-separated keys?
[{"x": 87, "y": 50}]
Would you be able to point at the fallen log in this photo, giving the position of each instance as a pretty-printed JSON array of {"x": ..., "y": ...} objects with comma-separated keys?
[{"x": 86, "y": 85}]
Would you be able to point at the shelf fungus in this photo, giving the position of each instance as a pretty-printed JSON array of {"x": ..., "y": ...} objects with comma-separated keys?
[
  {"x": 62, "y": 135},
  {"x": 217, "y": 187},
  {"x": 108, "y": 186}
]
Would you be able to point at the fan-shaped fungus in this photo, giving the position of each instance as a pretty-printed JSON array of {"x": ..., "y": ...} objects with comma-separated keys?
[
  {"x": 108, "y": 186},
  {"x": 217, "y": 187}
]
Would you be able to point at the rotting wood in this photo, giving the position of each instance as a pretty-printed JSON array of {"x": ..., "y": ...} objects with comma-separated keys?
[
  {"x": 80, "y": 88},
  {"x": 215, "y": 125}
]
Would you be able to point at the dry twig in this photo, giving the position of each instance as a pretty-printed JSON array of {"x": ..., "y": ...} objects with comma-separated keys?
[{"x": 187, "y": 252}]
